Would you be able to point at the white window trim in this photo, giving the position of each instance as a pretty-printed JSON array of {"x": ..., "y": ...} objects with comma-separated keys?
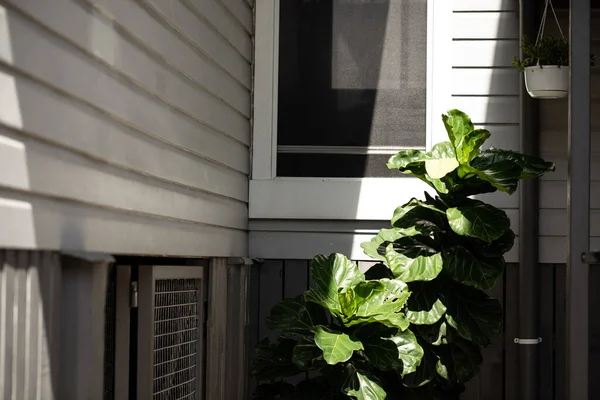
[{"x": 273, "y": 197}]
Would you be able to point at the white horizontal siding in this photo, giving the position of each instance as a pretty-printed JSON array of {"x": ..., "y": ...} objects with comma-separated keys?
[
  {"x": 487, "y": 5},
  {"x": 124, "y": 127},
  {"x": 554, "y": 146}
]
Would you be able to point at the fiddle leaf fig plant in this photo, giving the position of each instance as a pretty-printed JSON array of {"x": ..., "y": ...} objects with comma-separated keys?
[{"x": 413, "y": 326}]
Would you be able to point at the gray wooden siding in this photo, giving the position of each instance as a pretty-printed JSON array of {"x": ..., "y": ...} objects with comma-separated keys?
[
  {"x": 499, "y": 375},
  {"x": 29, "y": 323},
  {"x": 124, "y": 125},
  {"x": 553, "y": 146}
]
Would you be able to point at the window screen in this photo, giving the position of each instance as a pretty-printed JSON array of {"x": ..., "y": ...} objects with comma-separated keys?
[{"x": 352, "y": 85}]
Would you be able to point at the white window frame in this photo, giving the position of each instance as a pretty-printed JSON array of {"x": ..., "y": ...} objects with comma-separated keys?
[{"x": 273, "y": 197}]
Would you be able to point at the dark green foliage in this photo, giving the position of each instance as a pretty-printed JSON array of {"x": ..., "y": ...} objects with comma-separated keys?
[
  {"x": 414, "y": 325},
  {"x": 548, "y": 51}
]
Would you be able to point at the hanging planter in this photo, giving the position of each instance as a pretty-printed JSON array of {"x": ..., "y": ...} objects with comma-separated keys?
[{"x": 546, "y": 63}]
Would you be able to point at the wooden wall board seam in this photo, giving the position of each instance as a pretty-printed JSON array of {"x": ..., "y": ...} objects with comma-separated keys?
[
  {"x": 4, "y": 190},
  {"x": 134, "y": 83},
  {"x": 189, "y": 42},
  {"x": 115, "y": 118},
  {"x": 229, "y": 9},
  {"x": 141, "y": 45},
  {"x": 94, "y": 158},
  {"x": 199, "y": 15}
]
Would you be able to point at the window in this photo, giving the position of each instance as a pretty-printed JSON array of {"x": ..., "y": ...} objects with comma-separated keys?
[
  {"x": 340, "y": 86},
  {"x": 352, "y": 85}
]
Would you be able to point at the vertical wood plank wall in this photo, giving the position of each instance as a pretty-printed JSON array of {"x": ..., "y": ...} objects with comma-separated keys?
[{"x": 275, "y": 280}]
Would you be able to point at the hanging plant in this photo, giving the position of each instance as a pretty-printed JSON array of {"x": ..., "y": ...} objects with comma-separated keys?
[
  {"x": 412, "y": 326},
  {"x": 546, "y": 62}
]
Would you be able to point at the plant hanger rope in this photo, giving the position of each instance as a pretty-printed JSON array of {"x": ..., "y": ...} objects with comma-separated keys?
[{"x": 543, "y": 24}]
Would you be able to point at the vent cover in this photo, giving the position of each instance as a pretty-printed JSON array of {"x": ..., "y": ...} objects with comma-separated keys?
[{"x": 177, "y": 308}]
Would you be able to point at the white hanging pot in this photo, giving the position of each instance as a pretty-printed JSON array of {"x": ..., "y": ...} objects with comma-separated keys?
[{"x": 547, "y": 82}]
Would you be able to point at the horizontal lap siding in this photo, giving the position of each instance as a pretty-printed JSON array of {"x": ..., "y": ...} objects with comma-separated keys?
[
  {"x": 554, "y": 147},
  {"x": 125, "y": 125},
  {"x": 485, "y": 38}
]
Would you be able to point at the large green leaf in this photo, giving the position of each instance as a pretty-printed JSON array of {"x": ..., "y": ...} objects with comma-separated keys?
[
  {"x": 428, "y": 316},
  {"x": 360, "y": 386},
  {"x": 372, "y": 301},
  {"x": 476, "y": 316},
  {"x": 496, "y": 248},
  {"x": 382, "y": 353},
  {"x": 436, "y": 334},
  {"x": 531, "y": 167},
  {"x": 331, "y": 275},
  {"x": 374, "y": 248},
  {"x": 417, "y": 217},
  {"x": 468, "y": 145},
  {"x": 400, "y": 351},
  {"x": 421, "y": 263},
  {"x": 396, "y": 320},
  {"x": 479, "y": 220},
  {"x": 274, "y": 361},
  {"x": 503, "y": 175},
  {"x": 441, "y": 160},
  {"x": 295, "y": 318},
  {"x": 458, "y": 124},
  {"x": 467, "y": 268},
  {"x": 337, "y": 347},
  {"x": 305, "y": 355},
  {"x": 412, "y": 162},
  {"x": 409, "y": 350},
  {"x": 425, "y": 372},
  {"x": 458, "y": 361},
  {"x": 381, "y": 297}
]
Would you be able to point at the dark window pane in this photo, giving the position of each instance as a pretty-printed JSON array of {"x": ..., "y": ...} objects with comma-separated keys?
[
  {"x": 335, "y": 165},
  {"x": 352, "y": 73}
]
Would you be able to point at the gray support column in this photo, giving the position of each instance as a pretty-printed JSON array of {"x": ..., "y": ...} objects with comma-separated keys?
[
  {"x": 578, "y": 202},
  {"x": 529, "y": 269}
]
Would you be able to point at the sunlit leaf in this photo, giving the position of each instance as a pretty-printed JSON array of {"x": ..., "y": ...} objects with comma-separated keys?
[
  {"x": 337, "y": 347},
  {"x": 331, "y": 275},
  {"x": 479, "y": 220}
]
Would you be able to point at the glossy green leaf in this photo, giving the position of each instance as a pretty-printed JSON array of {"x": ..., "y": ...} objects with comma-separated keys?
[
  {"x": 422, "y": 266},
  {"x": 469, "y": 269},
  {"x": 305, "y": 355},
  {"x": 331, "y": 275},
  {"x": 382, "y": 353},
  {"x": 476, "y": 316},
  {"x": 337, "y": 347},
  {"x": 458, "y": 125},
  {"x": 468, "y": 145},
  {"x": 417, "y": 217},
  {"x": 374, "y": 248},
  {"x": 412, "y": 162},
  {"x": 396, "y": 320},
  {"x": 295, "y": 318},
  {"x": 427, "y": 317},
  {"x": 441, "y": 160},
  {"x": 409, "y": 350},
  {"x": 531, "y": 167},
  {"x": 496, "y": 248},
  {"x": 479, "y": 220},
  {"x": 503, "y": 175},
  {"x": 378, "y": 301},
  {"x": 361, "y": 387},
  {"x": 425, "y": 372},
  {"x": 381, "y": 297}
]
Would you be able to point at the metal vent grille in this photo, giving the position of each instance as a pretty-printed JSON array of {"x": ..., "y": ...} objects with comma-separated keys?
[{"x": 176, "y": 342}]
